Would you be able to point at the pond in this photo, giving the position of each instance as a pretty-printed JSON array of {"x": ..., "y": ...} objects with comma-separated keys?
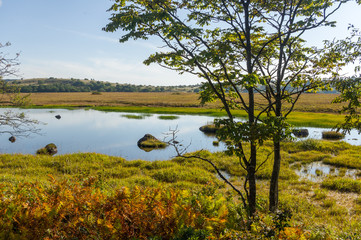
[
  {"x": 109, "y": 133},
  {"x": 316, "y": 133},
  {"x": 114, "y": 134},
  {"x": 317, "y": 171}
]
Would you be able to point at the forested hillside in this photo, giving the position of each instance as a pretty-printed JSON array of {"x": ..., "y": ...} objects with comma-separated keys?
[{"x": 77, "y": 85}]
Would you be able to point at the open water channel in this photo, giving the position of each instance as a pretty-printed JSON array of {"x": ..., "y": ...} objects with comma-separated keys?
[{"x": 113, "y": 134}]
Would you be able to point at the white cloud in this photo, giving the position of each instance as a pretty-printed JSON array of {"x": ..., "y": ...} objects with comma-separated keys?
[{"x": 106, "y": 69}]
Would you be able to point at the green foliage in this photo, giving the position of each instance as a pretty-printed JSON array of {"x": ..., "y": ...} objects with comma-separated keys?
[
  {"x": 350, "y": 93},
  {"x": 350, "y": 87},
  {"x": 191, "y": 234}
]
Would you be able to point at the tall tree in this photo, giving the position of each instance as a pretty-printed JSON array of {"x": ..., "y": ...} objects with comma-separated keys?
[
  {"x": 292, "y": 68},
  {"x": 238, "y": 46},
  {"x": 203, "y": 49}
]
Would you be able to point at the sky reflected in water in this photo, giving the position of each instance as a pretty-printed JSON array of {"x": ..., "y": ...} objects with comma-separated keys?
[
  {"x": 109, "y": 133},
  {"x": 113, "y": 134}
]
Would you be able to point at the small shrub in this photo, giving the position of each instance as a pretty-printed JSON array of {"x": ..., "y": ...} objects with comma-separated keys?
[
  {"x": 149, "y": 142},
  {"x": 300, "y": 132},
  {"x": 209, "y": 128},
  {"x": 319, "y": 172},
  {"x": 308, "y": 144},
  {"x": 332, "y": 135},
  {"x": 153, "y": 144},
  {"x": 49, "y": 149},
  {"x": 96, "y": 93}
]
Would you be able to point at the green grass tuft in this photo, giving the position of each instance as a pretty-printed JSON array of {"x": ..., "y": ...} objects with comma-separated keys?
[
  {"x": 342, "y": 184},
  {"x": 168, "y": 117}
]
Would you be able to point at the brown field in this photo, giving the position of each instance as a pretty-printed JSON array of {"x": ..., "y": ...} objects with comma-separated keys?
[{"x": 307, "y": 103}]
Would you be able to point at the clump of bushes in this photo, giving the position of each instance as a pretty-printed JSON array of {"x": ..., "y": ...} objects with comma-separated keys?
[
  {"x": 300, "y": 132},
  {"x": 308, "y": 145},
  {"x": 332, "y": 135},
  {"x": 209, "y": 128},
  {"x": 150, "y": 142},
  {"x": 49, "y": 149}
]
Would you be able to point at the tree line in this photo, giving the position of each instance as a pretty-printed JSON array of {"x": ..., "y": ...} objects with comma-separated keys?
[{"x": 77, "y": 85}]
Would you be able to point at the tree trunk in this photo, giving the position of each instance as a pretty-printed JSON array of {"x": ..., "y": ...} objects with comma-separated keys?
[
  {"x": 252, "y": 197},
  {"x": 251, "y": 169},
  {"x": 273, "y": 191}
]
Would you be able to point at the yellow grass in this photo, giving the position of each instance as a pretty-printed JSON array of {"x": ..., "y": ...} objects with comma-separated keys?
[{"x": 307, "y": 102}]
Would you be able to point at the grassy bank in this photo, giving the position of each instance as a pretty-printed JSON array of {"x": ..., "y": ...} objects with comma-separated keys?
[
  {"x": 317, "y": 103},
  {"x": 313, "y": 110},
  {"x": 298, "y": 119},
  {"x": 319, "y": 209}
]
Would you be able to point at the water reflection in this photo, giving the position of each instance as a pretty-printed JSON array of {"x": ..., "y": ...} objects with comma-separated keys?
[
  {"x": 109, "y": 133},
  {"x": 353, "y": 138},
  {"x": 317, "y": 171},
  {"x": 113, "y": 134}
]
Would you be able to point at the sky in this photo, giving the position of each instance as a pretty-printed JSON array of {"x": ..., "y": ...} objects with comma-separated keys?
[{"x": 64, "y": 39}]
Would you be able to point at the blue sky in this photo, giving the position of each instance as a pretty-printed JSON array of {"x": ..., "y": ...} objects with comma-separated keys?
[{"x": 63, "y": 38}]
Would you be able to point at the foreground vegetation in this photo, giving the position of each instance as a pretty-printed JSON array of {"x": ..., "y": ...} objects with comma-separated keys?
[{"x": 104, "y": 197}]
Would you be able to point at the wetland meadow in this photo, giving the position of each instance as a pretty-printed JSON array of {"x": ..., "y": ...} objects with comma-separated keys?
[{"x": 99, "y": 174}]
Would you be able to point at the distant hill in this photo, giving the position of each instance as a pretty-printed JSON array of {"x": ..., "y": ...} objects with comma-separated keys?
[
  {"x": 84, "y": 85},
  {"x": 52, "y": 84}
]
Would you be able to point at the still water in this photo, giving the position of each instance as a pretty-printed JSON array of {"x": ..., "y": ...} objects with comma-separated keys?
[
  {"x": 113, "y": 134},
  {"x": 109, "y": 133}
]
